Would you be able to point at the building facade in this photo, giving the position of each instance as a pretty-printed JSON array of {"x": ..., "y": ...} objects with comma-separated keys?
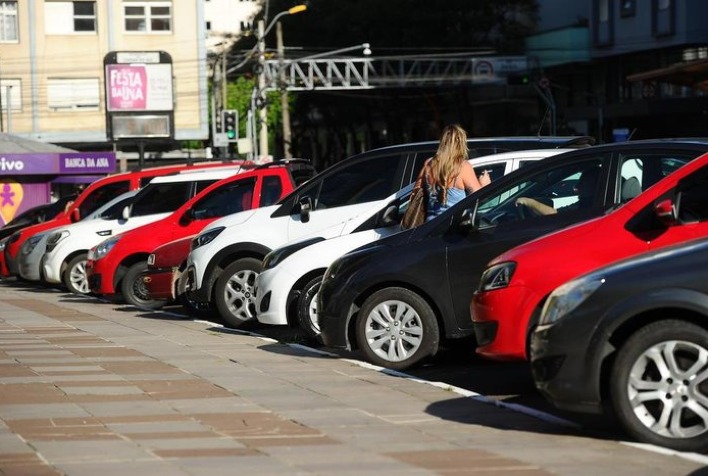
[{"x": 53, "y": 79}]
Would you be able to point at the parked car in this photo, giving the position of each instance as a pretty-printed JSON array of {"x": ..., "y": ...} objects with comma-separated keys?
[
  {"x": 226, "y": 257},
  {"x": 287, "y": 287},
  {"x": 32, "y": 251},
  {"x": 34, "y": 215},
  {"x": 631, "y": 339},
  {"x": 165, "y": 267},
  {"x": 420, "y": 281},
  {"x": 64, "y": 260},
  {"x": 116, "y": 266},
  {"x": 515, "y": 285},
  {"x": 96, "y": 195}
]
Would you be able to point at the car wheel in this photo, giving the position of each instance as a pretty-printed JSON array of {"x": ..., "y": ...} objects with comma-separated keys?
[
  {"x": 134, "y": 290},
  {"x": 659, "y": 385},
  {"x": 396, "y": 328},
  {"x": 233, "y": 292},
  {"x": 307, "y": 316},
  {"x": 198, "y": 309},
  {"x": 75, "y": 278}
]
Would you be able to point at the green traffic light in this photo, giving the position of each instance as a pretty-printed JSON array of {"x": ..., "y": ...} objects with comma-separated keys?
[{"x": 231, "y": 134}]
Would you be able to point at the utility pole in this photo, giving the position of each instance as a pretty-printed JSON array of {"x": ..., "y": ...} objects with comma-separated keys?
[
  {"x": 224, "y": 106},
  {"x": 262, "y": 112},
  {"x": 284, "y": 103}
]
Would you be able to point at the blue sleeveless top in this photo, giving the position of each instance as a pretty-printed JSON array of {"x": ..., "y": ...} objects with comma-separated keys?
[{"x": 435, "y": 207}]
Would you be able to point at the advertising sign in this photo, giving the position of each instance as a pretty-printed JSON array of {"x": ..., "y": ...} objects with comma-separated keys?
[
  {"x": 139, "y": 87},
  {"x": 63, "y": 163}
]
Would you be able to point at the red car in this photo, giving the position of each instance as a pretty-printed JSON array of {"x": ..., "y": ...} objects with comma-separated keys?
[
  {"x": 163, "y": 278},
  {"x": 97, "y": 194},
  {"x": 515, "y": 285},
  {"x": 116, "y": 265}
]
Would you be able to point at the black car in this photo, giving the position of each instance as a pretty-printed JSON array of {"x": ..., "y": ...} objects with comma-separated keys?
[
  {"x": 632, "y": 338},
  {"x": 35, "y": 215},
  {"x": 396, "y": 298}
]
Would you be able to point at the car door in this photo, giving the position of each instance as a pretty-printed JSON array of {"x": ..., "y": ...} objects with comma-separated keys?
[
  {"x": 233, "y": 197},
  {"x": 346, "y": 192},
  {"x": 500, "y": 224}
]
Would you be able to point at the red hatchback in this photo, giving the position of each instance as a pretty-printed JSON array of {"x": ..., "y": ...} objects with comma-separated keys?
[
  {"x": 515, "y": 285},
  {"x": 116, "y": 265}
]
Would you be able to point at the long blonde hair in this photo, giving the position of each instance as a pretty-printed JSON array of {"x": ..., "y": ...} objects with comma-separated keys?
[{"x": 452, "y": 152}]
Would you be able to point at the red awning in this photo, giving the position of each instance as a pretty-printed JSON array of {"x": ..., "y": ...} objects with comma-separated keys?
[{"x": 692, "y": 73}]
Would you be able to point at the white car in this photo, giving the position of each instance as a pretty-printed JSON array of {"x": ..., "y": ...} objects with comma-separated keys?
[
  {"x": 30, "y": 256},
  {"x": 226, "y": 257},
  {"x": 286, "y": 288},
  {"x": 64, "y": 260}
]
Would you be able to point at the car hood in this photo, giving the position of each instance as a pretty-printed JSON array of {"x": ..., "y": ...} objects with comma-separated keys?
[{"x": 240, "y": 217}]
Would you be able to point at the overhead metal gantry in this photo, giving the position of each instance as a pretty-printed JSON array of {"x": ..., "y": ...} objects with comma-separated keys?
[{"x": 369, "y": 73}]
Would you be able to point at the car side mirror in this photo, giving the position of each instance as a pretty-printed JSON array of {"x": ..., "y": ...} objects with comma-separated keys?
[
  {"x": 126, "y": 212},
  {"x": 665, "y": 212},
  {"x": 187, "y": 217},
  {"x": 468, "y": 217},
  {"x": 75, "y": 215},
  {"x": 390, "y": 216},
  {"x": 305, "y": 209}
]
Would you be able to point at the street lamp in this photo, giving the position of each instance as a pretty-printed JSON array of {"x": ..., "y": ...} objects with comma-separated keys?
[
  {"x": 364, "y": 46},
  {"x": 262, "y": 113}
]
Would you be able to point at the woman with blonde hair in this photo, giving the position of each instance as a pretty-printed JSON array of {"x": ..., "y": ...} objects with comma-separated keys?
[{"x": 448, "y": 175}]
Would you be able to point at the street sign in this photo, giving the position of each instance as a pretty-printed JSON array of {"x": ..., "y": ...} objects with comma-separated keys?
[{"x": 221, "y": 139}]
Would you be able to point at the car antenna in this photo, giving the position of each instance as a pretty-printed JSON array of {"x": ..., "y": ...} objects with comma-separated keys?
[
  {"x": 629, "y": 138},
  {"x": 543, "y": 120}
]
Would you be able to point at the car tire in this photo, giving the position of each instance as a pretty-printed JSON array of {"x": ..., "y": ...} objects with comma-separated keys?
[
  {"x": 653, "y": 396},
  {"x": 396, "y": 328},
  {"x": 233, "y": 291},
  {"x": 307, "y": 317},
  {"x": 198, "y": 309},
  {"x": 134, "y": 290},
  {"x": 75, "y": 278}
]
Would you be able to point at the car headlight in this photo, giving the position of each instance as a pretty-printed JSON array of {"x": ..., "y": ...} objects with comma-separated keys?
[
  {"x": 497, "y": 276},
  {"x": 31, "y": 244},
  {"x": 276, "y": 256},
  {"x": 103, "y": 248},
  {"x": 55, "y": 238},
  {"x": 567, "y": 297},
  {"x": 206, "y": 237}
]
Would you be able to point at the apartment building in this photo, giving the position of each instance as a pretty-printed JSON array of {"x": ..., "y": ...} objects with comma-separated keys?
[{"x": 94, "y": 75}]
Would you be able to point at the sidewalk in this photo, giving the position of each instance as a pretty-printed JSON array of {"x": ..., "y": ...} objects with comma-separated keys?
[{"x": 91, "y": 388}]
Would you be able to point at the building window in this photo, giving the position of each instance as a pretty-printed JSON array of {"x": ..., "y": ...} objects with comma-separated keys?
[
  {"x": 663, "y": 17},
  {"x": 628, "y": 8},
  {"x": 208, "y": 26},
  {"x": 75, "y": 94},
  {"x": 62, "y": 18},
  {"x": 8, "y": 22},
  {"x": 11, "y": 94},
  {"x": 148, "y": 16}
]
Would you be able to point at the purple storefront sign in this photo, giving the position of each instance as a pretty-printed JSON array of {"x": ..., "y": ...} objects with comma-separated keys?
[
  {"x": 64, "y": 163},
  {"x": 87, "y": 163}
]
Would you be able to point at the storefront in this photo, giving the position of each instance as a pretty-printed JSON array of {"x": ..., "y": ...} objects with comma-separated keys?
[{"x": 31, "y": 178}]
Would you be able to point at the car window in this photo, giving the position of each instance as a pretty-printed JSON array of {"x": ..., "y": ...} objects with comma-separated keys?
[
  {"x": 640, "y": 171},
  {"x": 559, "y": 187},
  {"x": 232, "y": 198},
  {"x": 116, "y": 210},
  {"x": 102, "y": 195},
  {"x": 496, "y": 171},
  {"x": 362, "y": 182},
  {"x": 693, "y": 198},
  {"x": 271, "y": 190},
  {"x": 161, "y": 198}
]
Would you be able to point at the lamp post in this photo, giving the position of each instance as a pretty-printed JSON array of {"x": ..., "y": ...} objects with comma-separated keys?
[{"x": 263, "y": 112}]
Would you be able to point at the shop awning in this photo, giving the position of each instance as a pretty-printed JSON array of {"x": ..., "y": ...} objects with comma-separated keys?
[{"x": 691, "y": 73}]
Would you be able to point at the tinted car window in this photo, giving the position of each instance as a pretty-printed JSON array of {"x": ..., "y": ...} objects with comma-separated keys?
[
  {"x": 161, "y": 198},
  {"x": 116, "y": 210},
  {"x": 101, "y": 196},
  {"x": 272, "y": 188},
  {"x": 362, "y": 182},
  {"x": 693, "y": 203},
  {"x": 232, "y": 198},
  {"x": 556, "y": 188}
]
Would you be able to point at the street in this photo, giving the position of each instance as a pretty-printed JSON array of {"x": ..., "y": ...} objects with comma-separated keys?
[{"x": 92, "y": 387}]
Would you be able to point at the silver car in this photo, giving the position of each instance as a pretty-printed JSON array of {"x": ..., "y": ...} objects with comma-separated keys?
[{"x": 29, "y": 259}]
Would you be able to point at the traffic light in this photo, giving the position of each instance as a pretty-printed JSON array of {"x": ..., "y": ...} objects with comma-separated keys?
[
  {"x": 229, "y": 125},
  {"x": 518, "y": 79}
]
